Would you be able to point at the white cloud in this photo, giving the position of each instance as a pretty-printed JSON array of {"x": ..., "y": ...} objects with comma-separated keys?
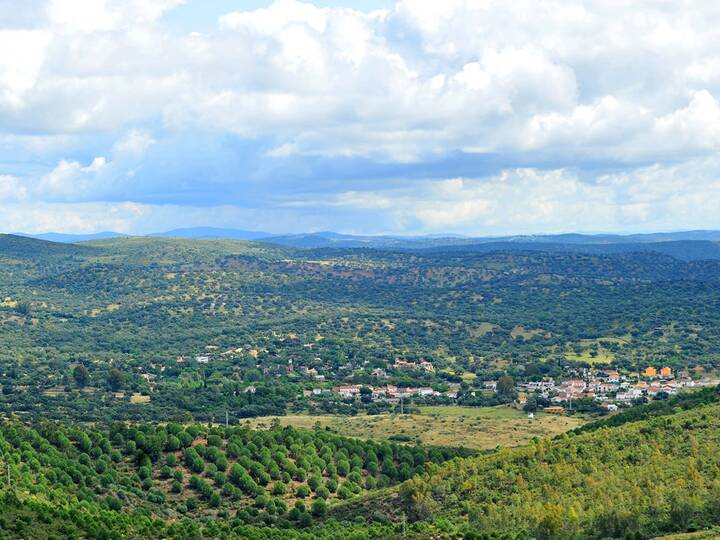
[
  {"x": 11, "y": 188},
  {"x": 531, "y": 201},
  {"x": 591, "y": 83},
  {"x": 40, "y": 217},
  {"x": 694, "y": 126},
  {"x": 135, "y": 143},
  {"x": 75, "y": 16},
  {"x": 423, "y": 78},
  {"x": 70, "y": 178},
  {"x": 22, "y": 53}
]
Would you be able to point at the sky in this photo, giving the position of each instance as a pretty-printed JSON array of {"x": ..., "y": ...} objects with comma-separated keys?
[{"x": 476, "y": 117}]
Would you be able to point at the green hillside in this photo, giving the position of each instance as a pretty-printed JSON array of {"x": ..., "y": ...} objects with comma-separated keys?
[
  {"x": 138, "y": 305},
  {"x": 31, "y": 248},
  {"x": 642, "y": 479},
  {"x": 638, "y": 480},
  {"x": 282, "y": 477}
]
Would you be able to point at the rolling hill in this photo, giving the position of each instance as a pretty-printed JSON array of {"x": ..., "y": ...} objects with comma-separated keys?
[{"x": 637, "y": 480}]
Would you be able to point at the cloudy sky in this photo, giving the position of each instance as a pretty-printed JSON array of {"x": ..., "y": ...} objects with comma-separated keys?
[{"x": 476, "y": 117}]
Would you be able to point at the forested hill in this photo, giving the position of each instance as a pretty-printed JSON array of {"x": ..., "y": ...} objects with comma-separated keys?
[
  {"x": 638, "y": 480},
  {"x": 137, "y": 305},
  {"x": 684, "y": 250},
  {"x": 174, "y": 481},
  {"x": 31, "y": 248}
]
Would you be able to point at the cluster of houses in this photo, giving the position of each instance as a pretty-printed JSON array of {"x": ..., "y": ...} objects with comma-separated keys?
[
  {"x": 420, "y": 366},
  {"x": 609, "y": 387},
  {"x": 387, "y": 393}
]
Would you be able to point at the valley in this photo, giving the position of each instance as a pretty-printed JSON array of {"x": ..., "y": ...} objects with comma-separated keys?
[{"x": 183, "y": 388}]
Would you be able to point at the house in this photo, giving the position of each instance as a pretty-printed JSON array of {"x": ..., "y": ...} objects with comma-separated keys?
[
  {"x": 650, "y": 372},
  {"x": 554, "y": 410},
  {"x": 604, "y": 388},
  {"x": 202, "y": 359},
  {"x": 404, "y": 364},
  {"x": 666, "y": 372},
  {"x": 347, "y": 392},
  {"x": 610, "y": 407},
  {"x": 538, "y": 386},
  {"x": 427, "y": 366}
]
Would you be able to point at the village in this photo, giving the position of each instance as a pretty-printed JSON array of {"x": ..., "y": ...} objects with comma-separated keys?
[
  {"x": 609, "y": 388},
  {"x": 575, "y": 389}
]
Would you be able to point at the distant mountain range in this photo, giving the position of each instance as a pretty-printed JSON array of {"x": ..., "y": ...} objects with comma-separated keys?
[{"x": 686, "y": 245}]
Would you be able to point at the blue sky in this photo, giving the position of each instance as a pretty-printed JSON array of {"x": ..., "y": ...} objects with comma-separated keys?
[{"x": 373, "y": 117}]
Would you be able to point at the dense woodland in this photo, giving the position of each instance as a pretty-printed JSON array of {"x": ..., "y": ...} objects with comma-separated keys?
[
  {"x": 127, "y": 309},
  {"x": 280, "y": 477}
]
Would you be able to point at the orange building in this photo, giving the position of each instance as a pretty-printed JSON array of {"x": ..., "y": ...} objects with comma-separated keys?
[
  {"x": 650, "y": 372},
  {"x": 554, "y": 410},
  {"x": 665, "y": 372}
]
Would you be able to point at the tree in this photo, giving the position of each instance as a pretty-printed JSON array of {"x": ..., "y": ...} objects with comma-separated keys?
[
  {"x": 505, "y": 385},
  {"x": 115, "y": 379},
  {"x": 319, "y": 507},
  {"x": 81, "y": 375},
  {"x": 365, "y": 394},
  {"x": 531, "y": 405},
  {"x": 23, "y": 308}
]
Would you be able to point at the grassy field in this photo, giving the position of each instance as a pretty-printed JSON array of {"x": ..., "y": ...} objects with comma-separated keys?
[
  {"x": 701, "y": 535},
  {"x": 470, "y": 427},
  {"x": 603, "y": 357}
]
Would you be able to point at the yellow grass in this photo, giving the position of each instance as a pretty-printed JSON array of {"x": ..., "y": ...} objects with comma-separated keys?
[
  {"x": 603, "y": 357},
  {"x": 525, "y": 333},
  {"x": 701, "y": 535},
  {"x": 470, "y": 427},
  {"x": 484, "y": 329}
]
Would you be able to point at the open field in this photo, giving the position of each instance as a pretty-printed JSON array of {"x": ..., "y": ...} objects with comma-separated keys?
[
  {"x": 470, "y": 427},
  {"x": 602, "y": 357},
  {"x": 701, "y": 535}
]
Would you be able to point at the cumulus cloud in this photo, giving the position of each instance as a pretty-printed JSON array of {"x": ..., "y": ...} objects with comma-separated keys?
[
  {"x": 556, "y": 93},
  {"x": 553, "y": 201},
  {"x": 420, "y": 78}
]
